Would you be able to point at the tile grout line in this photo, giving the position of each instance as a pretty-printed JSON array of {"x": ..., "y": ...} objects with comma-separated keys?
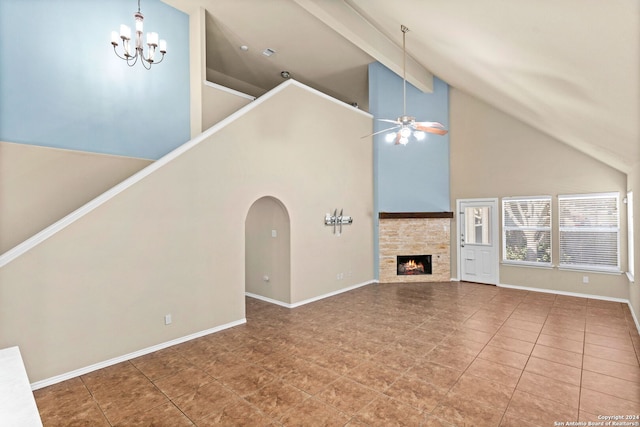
[
  {"x": 96, "y": 401},
  {"x": 522, "y": 372}
]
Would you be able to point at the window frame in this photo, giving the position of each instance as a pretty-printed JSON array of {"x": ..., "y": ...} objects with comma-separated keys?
[
  {"x": 548, "y": 229},
  {"x": 595, "y": 229},
  {"x": 630, "y": 237}
]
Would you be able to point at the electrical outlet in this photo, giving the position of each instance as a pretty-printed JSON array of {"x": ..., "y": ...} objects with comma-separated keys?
[
  {"x": 585, "y": 279},
  {"x": 167, "y": 319}
]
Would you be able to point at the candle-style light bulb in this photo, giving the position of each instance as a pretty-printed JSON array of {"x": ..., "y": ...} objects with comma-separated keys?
[
  {"x": 139, "y": 19},
  {"x": 125, "y": 32},
  {"x": 152, "y": 39}
]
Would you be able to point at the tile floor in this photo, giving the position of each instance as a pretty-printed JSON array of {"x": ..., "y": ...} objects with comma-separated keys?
[{"x": 438, "y": 354}]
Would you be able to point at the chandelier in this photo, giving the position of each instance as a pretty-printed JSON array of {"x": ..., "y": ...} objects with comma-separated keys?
[{"x": 131, "y": 54}]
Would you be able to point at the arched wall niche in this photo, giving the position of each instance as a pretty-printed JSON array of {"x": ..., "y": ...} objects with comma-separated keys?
[{"x": 268, "y": 250}]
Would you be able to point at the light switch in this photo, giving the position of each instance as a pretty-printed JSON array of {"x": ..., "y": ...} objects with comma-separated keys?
[{"x": 274, "y": 233}]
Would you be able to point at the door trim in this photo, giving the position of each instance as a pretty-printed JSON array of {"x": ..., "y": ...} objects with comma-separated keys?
[{"x": 494, "y": 233}]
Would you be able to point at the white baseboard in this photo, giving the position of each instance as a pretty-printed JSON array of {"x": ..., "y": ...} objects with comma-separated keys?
[
  {"x": 269, "y": 300},
  {"x": 76, "y": 373},
  {"x": 576, "y": 294},
  {"x": 307, "y": 301}
]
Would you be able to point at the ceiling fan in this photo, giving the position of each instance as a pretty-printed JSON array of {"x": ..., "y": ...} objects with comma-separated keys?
[{"x": 405, "y": 125}]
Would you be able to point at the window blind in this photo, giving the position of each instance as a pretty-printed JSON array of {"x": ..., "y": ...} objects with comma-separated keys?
[
  {"x": 526, "y": 228},
  {"x": 589, "y": 231}
]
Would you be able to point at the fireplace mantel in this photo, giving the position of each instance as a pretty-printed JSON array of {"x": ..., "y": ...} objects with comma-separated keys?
[{"x": 409, "y": 215}]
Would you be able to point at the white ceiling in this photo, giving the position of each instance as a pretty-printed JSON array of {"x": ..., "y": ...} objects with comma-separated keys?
[{"x": 569, "y": 68}]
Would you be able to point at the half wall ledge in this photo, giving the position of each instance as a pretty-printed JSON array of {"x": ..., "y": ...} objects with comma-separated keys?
[{"x": 409, "y": 215}]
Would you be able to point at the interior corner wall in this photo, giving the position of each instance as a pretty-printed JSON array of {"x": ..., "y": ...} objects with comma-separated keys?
[
  {"x": 495, "y": 155},
  {"x": 219, "y": 102},
  {"x": 197, "y": 68},
  {"x": 173, "y": 242},
  {"x": 412, "y": 177},
  {"x": 62, "y": 85},
  {"x": 40, "y": 185}
]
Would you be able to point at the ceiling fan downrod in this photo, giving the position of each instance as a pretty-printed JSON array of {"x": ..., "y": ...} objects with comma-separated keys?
[{"x": 404, "y": 30}]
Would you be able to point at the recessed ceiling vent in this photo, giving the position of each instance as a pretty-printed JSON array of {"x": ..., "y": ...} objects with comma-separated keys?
[{"x": 268, "y": 52}]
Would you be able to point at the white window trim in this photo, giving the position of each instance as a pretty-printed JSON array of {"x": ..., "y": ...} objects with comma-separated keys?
[
  {"x": 630, "y": 237},
  {"x": 504, "y": 234}
]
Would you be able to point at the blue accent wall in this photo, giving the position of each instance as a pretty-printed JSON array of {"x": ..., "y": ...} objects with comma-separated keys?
[
  {"x": 62, "y": 86},
  {"x": 412, "y": 177}
]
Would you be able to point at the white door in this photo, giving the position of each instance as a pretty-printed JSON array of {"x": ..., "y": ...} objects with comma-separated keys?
[{"x": 478, "y": 240}]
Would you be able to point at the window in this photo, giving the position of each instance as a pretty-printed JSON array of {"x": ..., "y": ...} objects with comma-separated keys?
[
  {"x": 630, "y": 240},
  {"x": 590, "y": 231},
  {"x": 526, "y": 228},
  {"x": 477, "y": 225}
]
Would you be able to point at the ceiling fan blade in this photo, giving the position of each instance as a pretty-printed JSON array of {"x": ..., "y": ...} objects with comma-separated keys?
[
  {"x": 431, "y": 127},
  {"x": 381, "y": 131},
  {"x": 389, "y": 121}
]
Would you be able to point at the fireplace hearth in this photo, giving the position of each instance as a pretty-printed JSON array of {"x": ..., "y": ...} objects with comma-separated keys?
[{"x": 411, "y": 265}]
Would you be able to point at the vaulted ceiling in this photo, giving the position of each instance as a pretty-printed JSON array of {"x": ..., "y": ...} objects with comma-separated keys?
[{"x": 569, "y": 68}]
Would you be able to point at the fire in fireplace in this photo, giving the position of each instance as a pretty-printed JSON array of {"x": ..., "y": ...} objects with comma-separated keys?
[{"x": 409, "y": 265}]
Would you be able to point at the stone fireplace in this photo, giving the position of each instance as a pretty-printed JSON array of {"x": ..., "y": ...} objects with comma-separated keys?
[{"x": 414, "y": 246}]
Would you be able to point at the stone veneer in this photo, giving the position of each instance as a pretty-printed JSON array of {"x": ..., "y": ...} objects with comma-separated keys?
[{"x": 415, "y": 233}]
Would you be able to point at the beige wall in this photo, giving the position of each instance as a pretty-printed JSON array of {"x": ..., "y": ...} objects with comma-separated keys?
[
  {"x": 495, "y": 155},
  {"x": 174, "y": 241},
  {"x": 197, "y": 67},
  {"x": 219, "y": 102},
  {"x": 210, "y": 103},
  {"x": 40, "y": 185}
]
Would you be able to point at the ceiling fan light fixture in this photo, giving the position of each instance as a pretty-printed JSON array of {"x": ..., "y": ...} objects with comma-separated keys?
[{"x": 406, "y": 126}]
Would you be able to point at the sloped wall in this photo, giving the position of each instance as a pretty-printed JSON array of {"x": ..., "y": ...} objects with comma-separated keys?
[
  {"x": 173, "y": 242},
  {"x": 495, "y": 155},
  {"x": 40, "y": 185}
]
